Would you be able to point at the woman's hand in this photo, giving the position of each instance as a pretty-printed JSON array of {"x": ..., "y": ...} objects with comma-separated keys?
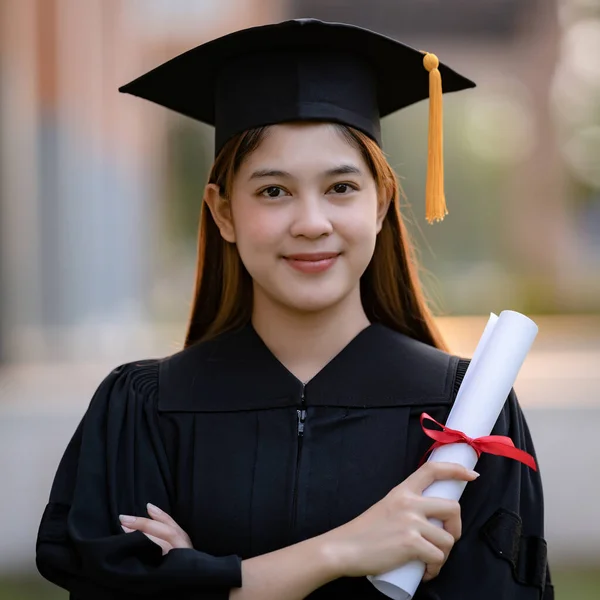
[
  {"x": 397, "y": 530},
  {"x": 161, "y": 529}
]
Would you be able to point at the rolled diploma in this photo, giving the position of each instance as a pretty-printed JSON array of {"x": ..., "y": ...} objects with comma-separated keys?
[{"x": 499, "y": 355}]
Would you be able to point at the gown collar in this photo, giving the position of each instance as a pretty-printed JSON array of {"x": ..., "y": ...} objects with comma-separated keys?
[{"x": 236, "y": 371}]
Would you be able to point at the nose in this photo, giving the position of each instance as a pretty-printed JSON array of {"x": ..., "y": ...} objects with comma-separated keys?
[{"x": 311, "y": 219}]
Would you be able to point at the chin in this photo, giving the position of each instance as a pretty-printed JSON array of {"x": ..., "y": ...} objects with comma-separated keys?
[
  {"x": 305, "y": 297},
  {"x": 313, "y": 303}
]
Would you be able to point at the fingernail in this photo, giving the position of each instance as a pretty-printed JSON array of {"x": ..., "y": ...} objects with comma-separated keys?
[
  {"x": 476, "y": 474},
  {"x": 126, "y": 529},
  {"x": 126, "y": 519},
  {"x": 154, "y": 509}
]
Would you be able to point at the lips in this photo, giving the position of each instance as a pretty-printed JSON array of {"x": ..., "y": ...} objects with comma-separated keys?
[
  {"x": 313, "y": 257},
  {"x": 314, "y": 262}
]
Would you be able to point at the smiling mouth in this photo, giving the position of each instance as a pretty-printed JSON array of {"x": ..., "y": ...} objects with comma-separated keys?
[
  {"x": 314, "y": 257},
  {"x": 312, "y": 263}
]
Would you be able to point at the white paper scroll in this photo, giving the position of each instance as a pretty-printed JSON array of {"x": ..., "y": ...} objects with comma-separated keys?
[{"x": 498, "y": 357}]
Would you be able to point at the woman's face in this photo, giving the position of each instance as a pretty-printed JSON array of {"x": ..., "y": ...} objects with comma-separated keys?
[{"x": 304, "y": 216}]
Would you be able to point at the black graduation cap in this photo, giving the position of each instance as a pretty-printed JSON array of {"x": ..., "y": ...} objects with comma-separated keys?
[{"x": 305, "y": 70}]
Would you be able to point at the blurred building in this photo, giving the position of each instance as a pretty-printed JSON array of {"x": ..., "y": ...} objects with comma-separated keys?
[
  {"x": 80, "y": 165},
  {"x": 99, "y": 192}
]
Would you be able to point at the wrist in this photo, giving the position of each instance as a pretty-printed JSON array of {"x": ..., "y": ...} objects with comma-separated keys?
[{"x": 334, "y": 554}]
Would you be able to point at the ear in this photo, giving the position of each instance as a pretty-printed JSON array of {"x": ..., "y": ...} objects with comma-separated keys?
[
  {"x": 220, "y": 209},
  {"x": 383, "y": 206}
]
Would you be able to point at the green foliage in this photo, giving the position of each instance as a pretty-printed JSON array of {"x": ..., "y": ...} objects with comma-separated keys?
[
  {"x": 569, "y": 584},
  {"x": 189, "y": 158}
]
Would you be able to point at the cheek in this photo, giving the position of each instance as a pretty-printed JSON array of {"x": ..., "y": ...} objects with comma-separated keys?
[
  {"x": 256, "y": 229},
  {"x": 360, "y": 226}
]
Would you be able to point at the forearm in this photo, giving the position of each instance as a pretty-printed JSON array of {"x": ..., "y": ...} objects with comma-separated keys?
[{"x": 292, "y": 573}]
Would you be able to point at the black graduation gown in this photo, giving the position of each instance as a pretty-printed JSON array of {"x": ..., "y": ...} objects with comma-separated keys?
[{"x": 248, "y": 460}]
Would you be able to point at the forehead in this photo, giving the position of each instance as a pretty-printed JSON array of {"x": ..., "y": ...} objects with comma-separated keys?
[{"x": 304, "y": 145}]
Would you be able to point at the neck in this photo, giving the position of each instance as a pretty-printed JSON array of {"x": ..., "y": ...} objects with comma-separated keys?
[{"x": 305, "y": 342}]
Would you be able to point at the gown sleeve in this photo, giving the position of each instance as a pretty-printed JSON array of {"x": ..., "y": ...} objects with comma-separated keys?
[
  {"x": 502, "y": 553},
  {"x": 115, "y": 464}
]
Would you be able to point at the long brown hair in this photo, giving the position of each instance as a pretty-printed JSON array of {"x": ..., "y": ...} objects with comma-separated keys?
[{"x": 390, "y": 289}]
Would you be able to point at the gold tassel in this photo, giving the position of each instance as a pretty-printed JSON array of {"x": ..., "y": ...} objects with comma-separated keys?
[{"x": 435, "y": 201}]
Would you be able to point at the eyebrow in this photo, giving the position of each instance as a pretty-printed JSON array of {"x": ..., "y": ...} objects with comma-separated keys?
[{"x": 339, "y": 170}]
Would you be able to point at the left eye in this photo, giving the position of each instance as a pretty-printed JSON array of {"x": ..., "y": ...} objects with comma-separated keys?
[
  {"x": 342, "y": 188},
  {"x": 273, "y": 191}
]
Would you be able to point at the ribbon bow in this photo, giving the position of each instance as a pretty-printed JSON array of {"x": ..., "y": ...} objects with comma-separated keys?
[{"x": 499, "y": 445}]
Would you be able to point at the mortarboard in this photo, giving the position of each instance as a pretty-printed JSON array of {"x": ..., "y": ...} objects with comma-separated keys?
[{"x": 305, "y": 70}]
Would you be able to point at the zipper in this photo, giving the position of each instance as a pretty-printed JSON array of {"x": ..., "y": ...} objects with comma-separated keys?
[{"x": 301, "y": 419}]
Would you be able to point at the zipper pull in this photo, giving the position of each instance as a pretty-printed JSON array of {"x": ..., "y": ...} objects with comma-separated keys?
[
  {"x": 301, "y": 413},
  {"x": 301, "y": 419}
]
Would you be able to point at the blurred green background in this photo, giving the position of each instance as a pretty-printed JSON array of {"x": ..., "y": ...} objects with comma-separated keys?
[{"x": 571, "y": 585}]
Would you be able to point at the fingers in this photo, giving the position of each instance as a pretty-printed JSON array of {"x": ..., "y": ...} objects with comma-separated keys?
[
  {"x": 429, "y": 553},
  {"x": 423, "y": 477},
  {"x": 437, "y": 508},
  {"x": 160, "y": 515},
  {"x": 164, "y": 546},
  {"x": 453, "y": 526},
  {"x": 447, "y": 511},
  {"x": 161, "y": 529},
  {"x": 439, "y": 537},
  {"x": 150, "y": 527},
  {"x": 443, "y": 542},
  {"x": 432, "y": 571}
]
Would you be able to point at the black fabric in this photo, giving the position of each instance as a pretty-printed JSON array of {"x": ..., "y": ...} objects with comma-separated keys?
[
  {"x": 297, "y": 70},
  {"x": 549, "y": 588},
  {"x": 115, "y": 464},
  {"x": 210, "y": 435},
  {"x": 528, "y": 556},
  {"x": 461, "y": 371}
]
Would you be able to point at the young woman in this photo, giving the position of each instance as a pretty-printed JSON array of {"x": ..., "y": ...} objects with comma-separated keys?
[{"x": 276, "y": 456}]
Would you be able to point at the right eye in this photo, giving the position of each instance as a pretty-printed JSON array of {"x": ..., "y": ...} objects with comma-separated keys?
[{"x": 273, "y": 191}]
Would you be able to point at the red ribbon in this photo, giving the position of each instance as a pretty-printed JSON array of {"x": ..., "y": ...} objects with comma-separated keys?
[{"x": 499, "y": 445}]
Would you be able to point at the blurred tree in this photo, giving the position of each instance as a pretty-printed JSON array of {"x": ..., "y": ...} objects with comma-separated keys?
[{"x": 189, "y": 150}]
